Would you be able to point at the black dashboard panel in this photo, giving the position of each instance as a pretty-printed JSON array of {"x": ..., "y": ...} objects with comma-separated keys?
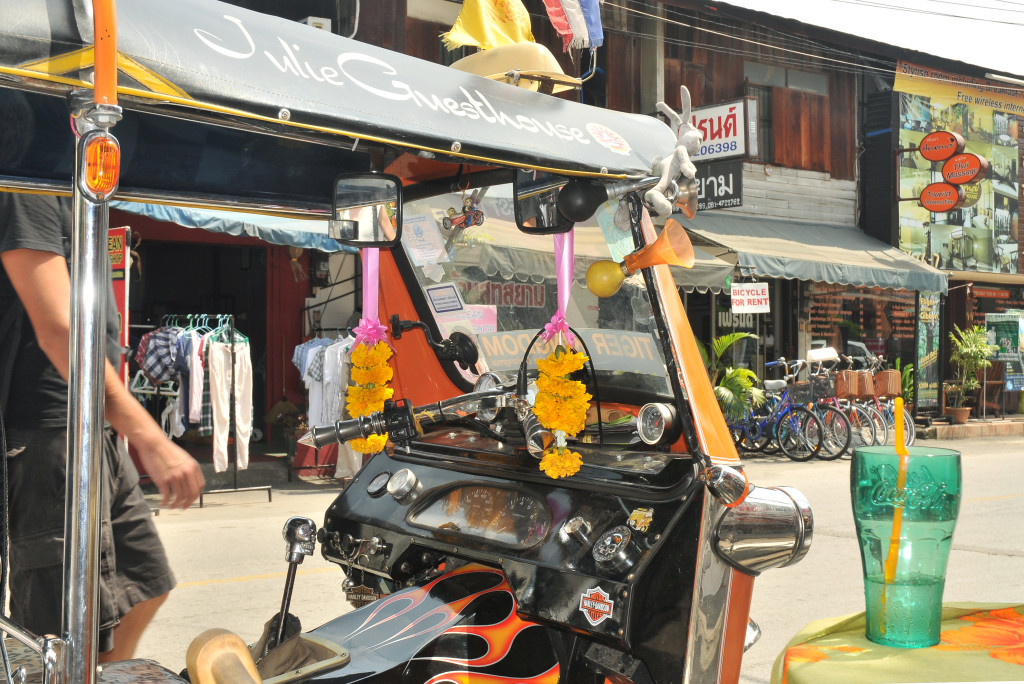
[{"x": 543, "y": 533}]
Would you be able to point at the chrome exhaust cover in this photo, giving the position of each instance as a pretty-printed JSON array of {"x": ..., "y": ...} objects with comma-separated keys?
[{"x": 770, "y": 528}]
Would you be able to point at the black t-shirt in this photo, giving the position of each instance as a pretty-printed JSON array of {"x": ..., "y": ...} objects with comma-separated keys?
[{"x": 38, "y": 396}]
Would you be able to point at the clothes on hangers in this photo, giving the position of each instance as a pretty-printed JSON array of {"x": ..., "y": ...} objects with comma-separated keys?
[{"x": 221, "y": 391}]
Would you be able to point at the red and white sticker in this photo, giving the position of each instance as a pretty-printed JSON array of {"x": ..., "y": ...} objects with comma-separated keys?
[
  {"x": 596, "y": 606},
  {"x": 608, "y": 138}
]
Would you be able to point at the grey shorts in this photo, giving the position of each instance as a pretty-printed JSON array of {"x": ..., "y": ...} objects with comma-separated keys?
[{"x": 133, "y": 564}]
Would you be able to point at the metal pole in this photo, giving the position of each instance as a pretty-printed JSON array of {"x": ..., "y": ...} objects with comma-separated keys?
[{"x": 85, "y": 435}]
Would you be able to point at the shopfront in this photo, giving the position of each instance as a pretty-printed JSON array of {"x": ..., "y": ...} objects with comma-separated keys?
[{"x": 827, "y": 286}]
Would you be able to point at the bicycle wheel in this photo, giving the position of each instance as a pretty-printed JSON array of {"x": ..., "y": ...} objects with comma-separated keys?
[
  {"x": 862, "y": 428},
  {"x": 878, "y": 420},
  {"x": 799, "y": 434},
  {"x": 769, "y": 442},
  {"x": 837, "y": 434}
]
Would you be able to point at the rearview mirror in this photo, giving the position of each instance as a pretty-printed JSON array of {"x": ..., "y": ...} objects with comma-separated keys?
[
  {"x": 536, "y": 200},
  {"x": 367, "y": 210}
]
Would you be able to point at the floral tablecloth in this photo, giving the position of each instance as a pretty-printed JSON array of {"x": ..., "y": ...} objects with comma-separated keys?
[{"x": 978, "y": 643}]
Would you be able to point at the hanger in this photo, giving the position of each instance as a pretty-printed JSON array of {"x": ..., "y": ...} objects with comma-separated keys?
[{"x": 141, "y": 384}]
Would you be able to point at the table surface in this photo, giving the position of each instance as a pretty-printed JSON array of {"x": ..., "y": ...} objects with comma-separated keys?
[{"x": 978, "y": 643}]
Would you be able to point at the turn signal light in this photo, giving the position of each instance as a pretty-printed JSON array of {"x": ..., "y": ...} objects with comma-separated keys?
[{"x": 102, "y": 166}]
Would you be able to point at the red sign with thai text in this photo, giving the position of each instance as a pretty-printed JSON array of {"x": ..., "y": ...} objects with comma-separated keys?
[
  {"x": 940, "y": 145},
  {"x": 117, "y": 247},
  {"x": 964, "y": 168},
  {"x": 940, "y": 197}
]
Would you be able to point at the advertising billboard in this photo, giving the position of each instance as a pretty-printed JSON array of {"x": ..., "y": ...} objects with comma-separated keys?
[{"x": 978, "y": 231}]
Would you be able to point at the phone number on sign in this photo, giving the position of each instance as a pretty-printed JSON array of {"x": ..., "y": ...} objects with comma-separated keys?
[{"x": 718, "y": 148}]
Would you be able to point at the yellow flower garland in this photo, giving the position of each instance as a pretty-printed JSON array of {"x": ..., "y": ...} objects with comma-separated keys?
[
  {"x": 370, "y": 376},
  {"x": 561, "y": 406}
]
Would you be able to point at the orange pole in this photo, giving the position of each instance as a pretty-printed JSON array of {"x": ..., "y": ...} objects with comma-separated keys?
[{"x": 105, "y": 40}]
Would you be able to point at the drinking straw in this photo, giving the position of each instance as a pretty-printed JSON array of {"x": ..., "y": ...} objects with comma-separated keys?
[{"x": 901, "y": 481}]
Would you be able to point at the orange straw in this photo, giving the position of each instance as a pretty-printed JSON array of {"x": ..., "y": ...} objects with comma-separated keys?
[{"x": 901, "y": 481}]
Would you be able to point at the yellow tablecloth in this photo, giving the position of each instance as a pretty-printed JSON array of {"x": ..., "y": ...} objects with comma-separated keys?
[{"x": 979, "y": 642}]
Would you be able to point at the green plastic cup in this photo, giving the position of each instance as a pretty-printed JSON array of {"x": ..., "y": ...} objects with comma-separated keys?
[{"x": 907, "y": 610}]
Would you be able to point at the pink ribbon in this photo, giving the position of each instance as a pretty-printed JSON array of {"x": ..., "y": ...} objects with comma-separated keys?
[
  {"x": 564, "y": 264},
  {"x": 370, "y": 329}
]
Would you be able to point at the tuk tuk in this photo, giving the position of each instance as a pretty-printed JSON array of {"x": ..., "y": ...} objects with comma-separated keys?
[{"x": 639, "y": 567}]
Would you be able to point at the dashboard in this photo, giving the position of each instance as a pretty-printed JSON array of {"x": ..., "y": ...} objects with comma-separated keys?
[{"x": 507, "y": 516}]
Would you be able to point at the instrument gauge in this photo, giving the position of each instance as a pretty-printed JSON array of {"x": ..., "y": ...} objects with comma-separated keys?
[
  {"x": 653, "y": 422},
  {"x": 402, "y": 484},
  {"x": 614, "y": 550},
  {"x": 378, "y": 484},
  {"x": 487, "y": 409}
]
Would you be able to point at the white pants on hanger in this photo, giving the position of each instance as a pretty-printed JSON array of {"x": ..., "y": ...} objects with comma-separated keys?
[{"x": 219, "y": 364}]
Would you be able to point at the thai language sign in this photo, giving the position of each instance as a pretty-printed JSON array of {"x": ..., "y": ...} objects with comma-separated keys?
[
  {"x": 724, "y": 127},
  {"x": 720, "y": 185}
]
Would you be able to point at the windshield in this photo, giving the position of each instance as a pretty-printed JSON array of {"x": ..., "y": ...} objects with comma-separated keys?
[{"x": 482, "y": 276}]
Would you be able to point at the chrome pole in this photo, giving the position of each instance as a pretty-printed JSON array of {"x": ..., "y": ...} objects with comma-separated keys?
[{"x": 80, "y": 624}]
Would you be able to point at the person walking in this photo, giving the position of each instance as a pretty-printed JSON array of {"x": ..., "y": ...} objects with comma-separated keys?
[{"x": 35, "y": 303}]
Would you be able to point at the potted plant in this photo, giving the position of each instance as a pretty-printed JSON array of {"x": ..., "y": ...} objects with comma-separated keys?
[
  {"x": 970, "y": 353},
  {"x": 906, "y": 384},
  {"x": 735, "y": 388}
]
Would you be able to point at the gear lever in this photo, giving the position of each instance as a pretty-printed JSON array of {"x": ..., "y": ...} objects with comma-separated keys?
[{"x": 300, "y": 533}]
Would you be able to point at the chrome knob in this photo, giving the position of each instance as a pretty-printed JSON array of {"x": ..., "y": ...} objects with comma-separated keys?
[{"x": 576, "y": 529}]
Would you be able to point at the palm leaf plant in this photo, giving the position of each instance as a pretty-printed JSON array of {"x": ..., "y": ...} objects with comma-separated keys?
[
  {"x": 970, "y": 354},
  {"x": 735, "y": 388}
]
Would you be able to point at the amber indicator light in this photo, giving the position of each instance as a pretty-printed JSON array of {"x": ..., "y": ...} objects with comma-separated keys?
[{"x": 102, "y": 166}]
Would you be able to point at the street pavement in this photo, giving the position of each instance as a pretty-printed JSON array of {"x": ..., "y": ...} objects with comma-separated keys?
[{"x": 229, "y": 555}]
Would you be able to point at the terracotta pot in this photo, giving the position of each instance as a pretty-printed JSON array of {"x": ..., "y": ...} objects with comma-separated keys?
[{"x": 959, "y": 415}]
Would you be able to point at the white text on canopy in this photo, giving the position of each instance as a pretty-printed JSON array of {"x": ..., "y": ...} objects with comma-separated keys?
[{"x": 750, "y": 298}]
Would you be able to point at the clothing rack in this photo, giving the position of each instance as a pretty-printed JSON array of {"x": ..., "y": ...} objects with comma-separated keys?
[{"x": 232, "y": 425}]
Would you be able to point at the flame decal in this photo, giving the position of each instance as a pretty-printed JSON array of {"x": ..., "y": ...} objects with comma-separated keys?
[
  {"x": 402, "y": 603},
  {"x": 499, "y": 637},
  {"x": 466, "y": 677}
]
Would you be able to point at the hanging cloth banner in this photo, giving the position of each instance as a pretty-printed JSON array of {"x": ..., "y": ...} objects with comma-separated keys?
[
  {"x": 578, "y": 22},
  {"x": 490, "y": 23},
  {"x": 564, "y": 261}
]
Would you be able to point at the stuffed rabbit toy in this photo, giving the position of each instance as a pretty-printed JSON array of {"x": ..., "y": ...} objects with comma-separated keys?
[{"x": 688, "y": 140}]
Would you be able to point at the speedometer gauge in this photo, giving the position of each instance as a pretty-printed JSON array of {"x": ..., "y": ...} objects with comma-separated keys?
[{"x": 653, "y": 422}]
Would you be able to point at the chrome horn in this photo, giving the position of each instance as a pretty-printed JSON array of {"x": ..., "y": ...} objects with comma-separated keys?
[{"x": 762, "y": 527}]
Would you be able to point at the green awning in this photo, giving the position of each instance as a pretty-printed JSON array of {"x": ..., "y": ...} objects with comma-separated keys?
[{"x": 775, "y": 248}]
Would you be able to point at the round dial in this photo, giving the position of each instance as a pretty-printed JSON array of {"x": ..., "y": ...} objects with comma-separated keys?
[
  {"x": 612, "y": 544},
  {"x": 653, "y": 422},
  {"x": 378, "y": 483},
  {"x": 487, "y": 409},
  {"x": 402, "y": 483}
]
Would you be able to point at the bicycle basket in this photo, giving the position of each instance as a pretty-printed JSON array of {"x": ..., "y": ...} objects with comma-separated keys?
[
  {"x": 865, "y": 385},
  {"x": 888, "y": 383},
  {"x": 823, "y": 387},
  {"x": 799, "y": 392},
  {"x": 846, "y": 384}
]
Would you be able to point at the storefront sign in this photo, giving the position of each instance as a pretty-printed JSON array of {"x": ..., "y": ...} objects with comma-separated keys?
[
  {"x": 940, "y": 114},
  {"x": 940, "y": 197},
  {"x": 940, "y": 145},
  {"x": 990, "y": 293},
  {"x": 120, "y": 262},
  {"x": 750, "y": 298},
  {"x": 927, "y": 375},
  {"x": 618, "y": 350},
  {"x": 720, "y": 185},
  {"x": 964, "y": 168},
  {"x": 1007, "y": 331},
  {"x": 724, "y": 129}
]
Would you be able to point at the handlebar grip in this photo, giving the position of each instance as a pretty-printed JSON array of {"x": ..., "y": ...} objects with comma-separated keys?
[
  {"x": 771, "y": 364},
  {"x": 538, "y": 438}
]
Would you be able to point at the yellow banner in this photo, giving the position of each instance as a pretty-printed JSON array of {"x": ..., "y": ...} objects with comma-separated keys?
[
  {"x": 490, "y": 23},
  {"x": 948, "y": 89}
]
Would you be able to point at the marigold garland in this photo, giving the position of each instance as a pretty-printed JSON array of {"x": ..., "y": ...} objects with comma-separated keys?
[
  {"x": 561, "y": 406},
  {"x": 370, "y": 375}
]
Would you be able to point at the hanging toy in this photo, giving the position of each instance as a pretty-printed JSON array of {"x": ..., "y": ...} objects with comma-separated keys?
[{"x": 469, "y": 216}]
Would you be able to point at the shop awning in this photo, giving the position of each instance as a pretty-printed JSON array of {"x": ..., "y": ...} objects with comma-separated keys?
[
  {"x": 773, "y": 248},
  {"x": 276, "y": 231}
]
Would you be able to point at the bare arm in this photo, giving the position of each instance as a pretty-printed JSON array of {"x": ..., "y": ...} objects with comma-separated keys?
[{"x": 43, "y": 284}]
